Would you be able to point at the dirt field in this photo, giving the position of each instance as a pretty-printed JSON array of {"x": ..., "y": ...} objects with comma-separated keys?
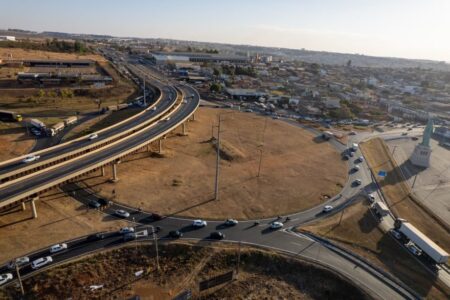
[
  {"x": 14, "y": 141},
  {"x": 29, "y": 100},
  {"x": 398, "y": 194},
  {"x": 61, "y": 216},
  {"x": 263, "y": 275},
  {"x": 359, "y": 233},
  {"x": 296, "y": 172}
]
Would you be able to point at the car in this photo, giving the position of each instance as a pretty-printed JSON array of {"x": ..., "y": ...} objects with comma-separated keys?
[
  {"x": 156, "y": 217},
  {"x": 184, "y": 101},
  {"x": 93, "y": 136},
  {"x": 360, "y": 159},
  {"x": 154, "y": 108},
  {"x": 231, "y": 222},
  {"x": 40, "y": 262},
  {"x": 103, "y": 201},
  {"x": 276, "y": 225},
  {"x": 327, "y": 208},
  {"x": 351, "y": 154},
  {"x": 352, "y": 133},
  {"x": 357, "y": 182},
  {"x": 414, "y": 249},
  {"x": 19, "y": 262},
  {"x": 125, "y": 230},
  {"x": 58, "y": 248},
  {"x": 129, "y": 236},
  {"x": 96, "y": 237},
  {"x": 371, "y": 198},
  {"x": 4, "y": 278},
  {"x": 414, "y": 138},
  {"x": 122, "y": 213},
  {"x": 345, "y": 157},
  {"x": 166, "y": 119},
  {"x": 404, "y": 133},
  {"x": 30, "y": 158},
  {"x": 409, "y": 129},
  {"x": 396, "y": 234},
  {"x": 94, "y": 204},
  {"x": 355, "y": 169},
  {"x": 217, "y": 235},
  {"x": 175, "y": 234},
  {"x": 199, "y": 223}
]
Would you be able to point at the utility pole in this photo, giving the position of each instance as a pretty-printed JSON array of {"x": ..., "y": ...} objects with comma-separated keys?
[
  {"x": 238, "y": 258},
  {"x": 393, "y": 150},
  {"x": 260, "y": 160},
  {"x": 216, "y": 191},
  {"x": 262, "y": 147},
  {"x": 19, "y": 279}
]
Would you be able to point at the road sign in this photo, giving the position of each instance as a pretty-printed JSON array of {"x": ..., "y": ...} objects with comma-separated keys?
[
  {"x": 212, "y": 282},
  {"x": 382, "y": 173}
]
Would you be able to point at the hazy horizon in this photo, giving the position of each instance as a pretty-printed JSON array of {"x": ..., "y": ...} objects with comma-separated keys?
[{"x": 402, "y": 29}]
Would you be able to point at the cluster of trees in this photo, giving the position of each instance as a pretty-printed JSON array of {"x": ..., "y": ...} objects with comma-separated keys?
[
  {"x": 53, "y": 45},
  {"x": 63, "y": 93},
  {"x": 347, "y": 110},
  {"x": 199, "y": 50},
  {"x": 215, "y": 87},
  {"x": 238, "y": 70}
]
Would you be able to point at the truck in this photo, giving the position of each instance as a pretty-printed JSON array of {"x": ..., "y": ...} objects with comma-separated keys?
[
  {"x": 9, "y": 116},
  {"x": 436, "y": 253},
  {"x": 70, "y": 120},
  {"x": 56, "y": 128},
  {"x": 326, "y": 135},
  {"x": 38, "y": 124}
]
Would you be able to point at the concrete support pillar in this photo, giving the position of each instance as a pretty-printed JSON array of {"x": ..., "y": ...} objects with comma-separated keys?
[
  {"x": 103, "y": 171},
  {"x": 24, "y": 207},
  {"x": 114, "y": 171},
  {"x": 183, "y": 128},
  {"x": 160, "y": 145},
  {"x": 193, "y": 117},
  {"x": 33, "y": 208},
  {"x": 148, "y": 147}
]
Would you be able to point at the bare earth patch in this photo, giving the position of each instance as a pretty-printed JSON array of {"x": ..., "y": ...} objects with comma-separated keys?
[
  {"x": 296, "y": 172},
  {"x": 14, "y": 141},
  {"x": 358, "y": 232}
]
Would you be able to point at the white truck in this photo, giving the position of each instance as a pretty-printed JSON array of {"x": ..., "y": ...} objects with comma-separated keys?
[
  {"x": 37, "y": 123},
  {"x": 70, "y": 120},
  {"x": 436, "y": 253},
  {"x": 56, "y": 128}
]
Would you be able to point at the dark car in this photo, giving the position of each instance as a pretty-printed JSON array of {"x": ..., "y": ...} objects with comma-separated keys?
[
  {"x": 175, "y": 234},
  {"x": 94, "y": 204},
  {"x": 96, "y": 237},
  {"x": 217, "y": 235},
  {"x": 129, "y": 236},
  {"x": 345, "y": 157},
  {"x": 156, "y": 217},
  {"x": 103, "y": 201}
]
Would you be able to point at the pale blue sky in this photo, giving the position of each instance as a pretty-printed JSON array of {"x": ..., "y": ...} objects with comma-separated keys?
[{"x": 401, "y": 28}]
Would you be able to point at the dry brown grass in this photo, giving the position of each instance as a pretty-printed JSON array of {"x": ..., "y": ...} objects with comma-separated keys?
[
  {"x": 398, "y": 194},
  {"x": 296, "y": 172},
  {"x": 263, "y": 275},
  {"x": 14, "y": 141},
  {"x": 358, "y": 231}
]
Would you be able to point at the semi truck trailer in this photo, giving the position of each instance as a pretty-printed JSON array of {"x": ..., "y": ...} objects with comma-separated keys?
[
  {"x": 436, "y": 253},
  {"x": 9, "y": 116}
]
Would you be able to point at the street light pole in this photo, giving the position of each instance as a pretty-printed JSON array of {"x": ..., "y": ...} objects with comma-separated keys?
[
  {"x": 216, "y": 190},
  {"x": 145, "y": 101},
  {"x": 19, "y": 279},
  {"x": 155, "y": 239}
]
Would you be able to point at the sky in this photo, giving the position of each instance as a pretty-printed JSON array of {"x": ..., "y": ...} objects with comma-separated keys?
[{"x": 395, "y": 28}]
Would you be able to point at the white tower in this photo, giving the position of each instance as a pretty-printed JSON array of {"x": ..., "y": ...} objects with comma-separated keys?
[{"x": 422, "y": 153}]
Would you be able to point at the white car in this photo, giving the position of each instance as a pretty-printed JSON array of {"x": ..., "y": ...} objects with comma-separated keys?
[
  {"x": 19, "y": 262},
  {"x": 154, "y": 108},
  {"x": 231, "y": 222},
  {"x": 167, "y": 119},
  {"x": 93, "y": 136},
  {"x": 371, "y": 198},
  {"x": 355, "y": 169},
  {"x": 40, "y": 262},
  {"x": 199, "y": 223},
  {"x": 58, "y": 248},
  {"x": 121, "y": 213},
  {"x": 360, "y": 159},
  {"x": 327, "y": 208},
  {"x": 4, "y": 278},
  {"x": 125, "y": 230},
  {"x": 276, "y": 225},
  {"x": 30, "y": 158}
]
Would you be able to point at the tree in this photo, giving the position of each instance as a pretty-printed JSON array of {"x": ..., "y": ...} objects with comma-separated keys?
[
  {"x": 215, "y": 87},
  {"x": 216, "y": 72},
  {"x": 349, "y": 63}
]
